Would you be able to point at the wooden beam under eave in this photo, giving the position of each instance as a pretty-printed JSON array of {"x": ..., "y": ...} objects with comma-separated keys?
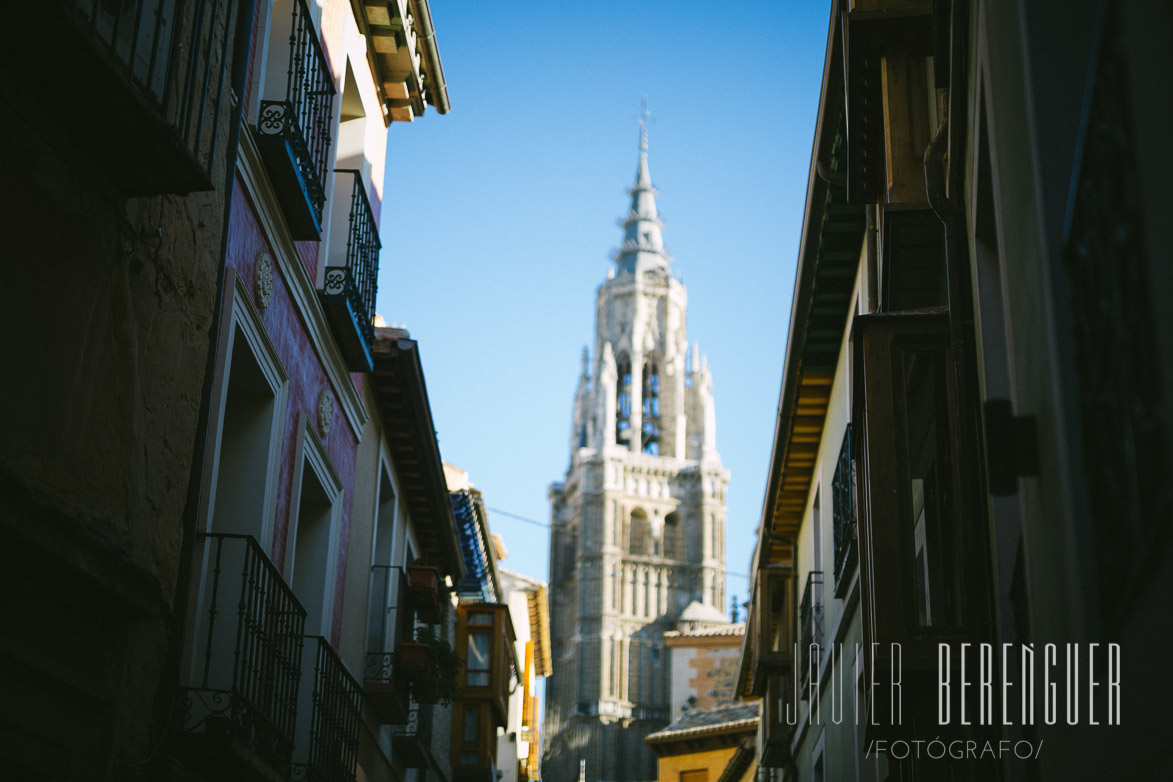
[
  {"x": 377, "y": 14},
  {"x": 808, "y": 423}
]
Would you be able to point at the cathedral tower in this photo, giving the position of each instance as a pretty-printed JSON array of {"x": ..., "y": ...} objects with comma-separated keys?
[{"x": 638, "y": 524}]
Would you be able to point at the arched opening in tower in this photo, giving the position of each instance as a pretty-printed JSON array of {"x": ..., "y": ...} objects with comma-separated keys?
[
  {"x": 650, "y": 441},
  {"x": 623, "y": 401}
]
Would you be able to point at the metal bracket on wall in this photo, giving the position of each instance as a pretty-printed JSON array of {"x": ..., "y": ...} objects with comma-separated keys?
[{"x": 1012, "y": 447}]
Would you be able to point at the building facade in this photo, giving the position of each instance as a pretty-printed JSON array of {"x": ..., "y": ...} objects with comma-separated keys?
[
  {"x": 519, "y": 746},
  {"x": 638, "y": 523},
  {"x": 119, "y": 143},
  {"x": 224, "y": 509},
  {"x": 972, "y": 444},
  {"x": 704, "y": 665},
  {"x": 707, "y": 745},
  {"x": 324, "y": 533}
]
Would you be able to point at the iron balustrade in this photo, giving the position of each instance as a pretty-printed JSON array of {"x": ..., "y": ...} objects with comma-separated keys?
[
  {"x": 174, "y": 55},
  {"x": 414, "y": 737},
  {"x": 381, "y": 667},
  {"x": 304, "y": 117},
  {"x": 246, "y": 667},
  {"x": 843, "y": 509},
  {"x": 358, "y": 278},
  {"x": 418, "y": 725},
  {"x": 385, "y": 689},
  {"x": 328, "y": 741},
  {"x": 810, "y": 627}
]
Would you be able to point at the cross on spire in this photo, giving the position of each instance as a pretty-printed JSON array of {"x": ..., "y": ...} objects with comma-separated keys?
[{"x": 643, "y": 125}]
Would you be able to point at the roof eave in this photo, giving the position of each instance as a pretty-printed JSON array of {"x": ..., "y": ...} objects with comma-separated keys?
[{"x": 831, "y": 99}]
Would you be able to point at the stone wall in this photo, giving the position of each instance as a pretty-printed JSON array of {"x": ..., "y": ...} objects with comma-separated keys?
[{"x": 106, "y": 308}]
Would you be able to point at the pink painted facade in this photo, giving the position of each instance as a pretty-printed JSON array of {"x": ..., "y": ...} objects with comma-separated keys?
[{"x": 287, "y": 330}]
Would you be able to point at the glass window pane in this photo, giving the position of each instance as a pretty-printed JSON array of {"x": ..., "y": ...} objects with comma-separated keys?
[
  {"x": 479, "y": 654},
  {"x": 470, "y": 724},
  {"x": 929, "y": 490}
]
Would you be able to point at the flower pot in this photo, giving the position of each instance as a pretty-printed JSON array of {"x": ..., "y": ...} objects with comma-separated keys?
[
  {"x": 415, "y": 660},
  {"x": 423, "y": 577},
  {"x": 423, "y": 592}
]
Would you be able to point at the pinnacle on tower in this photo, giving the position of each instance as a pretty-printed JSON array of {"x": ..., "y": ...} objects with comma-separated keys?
[{"x": 643, "y": 241}]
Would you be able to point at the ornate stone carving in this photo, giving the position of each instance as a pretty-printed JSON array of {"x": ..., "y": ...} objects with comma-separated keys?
[
  {"x": 325, "y": 413},
  {"x": 263, "y": 280}
]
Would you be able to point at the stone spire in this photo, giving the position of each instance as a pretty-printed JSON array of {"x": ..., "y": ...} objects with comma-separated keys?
[{"x": 643, "y": 241}]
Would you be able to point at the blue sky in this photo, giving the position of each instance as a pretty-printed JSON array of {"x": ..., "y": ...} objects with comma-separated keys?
[{"x": 498, "y": 219}]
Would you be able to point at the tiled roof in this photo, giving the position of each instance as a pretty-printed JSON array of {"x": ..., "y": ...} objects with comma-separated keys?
[
  {"x": 729, "y": 718},
  {"x": 737, "y": 629}
]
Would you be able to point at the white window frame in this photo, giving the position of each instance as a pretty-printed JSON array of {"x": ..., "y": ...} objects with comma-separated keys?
[
  {"x": 312, "y": 453},
  {"x": 240, "y": 314}
]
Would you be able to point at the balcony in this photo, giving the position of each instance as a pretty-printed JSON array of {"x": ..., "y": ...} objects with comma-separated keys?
[
  {"x": 844, "y": 517},
  {"x": 348, "y": 295},
  {"x": 330, "y": 713},
  {"x": 135, "y": 90},
  {"x": 773, "y": 646},
  {"x": 294, "y": 132},
  {"x": 774, "y": 730},
  {"x": 413, "y": 740},
  {"x": 423, "y": 592},
  {"x": 810, "y": 628},
  {"x": 240, "y": 704},
  {"x": 383, "y": 683}
]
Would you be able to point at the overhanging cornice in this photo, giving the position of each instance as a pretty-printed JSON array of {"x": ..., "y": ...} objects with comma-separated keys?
[
  {"x": 402, "y": 399},
  {"x": 832, "y": 234}
]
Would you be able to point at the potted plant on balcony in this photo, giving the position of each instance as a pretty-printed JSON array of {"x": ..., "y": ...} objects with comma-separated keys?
[
  {"x": 423, "y": 591},
  {"x": 415, "y": 660},
  {"x": 432, "y": 666}
]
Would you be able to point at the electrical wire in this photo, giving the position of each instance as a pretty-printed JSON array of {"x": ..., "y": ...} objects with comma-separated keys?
[{"x": 546, "y": 525}]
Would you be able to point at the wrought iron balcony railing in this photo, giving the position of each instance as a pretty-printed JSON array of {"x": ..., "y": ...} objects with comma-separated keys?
[
  {"x": 247, "y": 651},
  {"x": 385, "y": 689},
  {"x": 295, "y": 130},
  {"x": 810, "y": 627},
  {"x": 161, "y": 67},
  {"x": 844, "y": 515},
  {"x": 348, "y": 291},
  {"x": 414, "y": 738},
  {"x": 327, "y": 743}
]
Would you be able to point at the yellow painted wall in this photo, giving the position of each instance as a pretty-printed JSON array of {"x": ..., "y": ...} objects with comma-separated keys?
[{"x": 714, "y": 760}]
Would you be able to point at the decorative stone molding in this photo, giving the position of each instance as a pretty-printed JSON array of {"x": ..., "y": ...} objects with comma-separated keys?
[
  {"x": 325, "y": 413},
  {"x": 301, "y": 288},
  {"x": 263, "y": 280}
]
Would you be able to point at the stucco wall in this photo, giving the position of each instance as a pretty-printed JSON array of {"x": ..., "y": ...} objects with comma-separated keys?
[{"x": 713, "y": 760}]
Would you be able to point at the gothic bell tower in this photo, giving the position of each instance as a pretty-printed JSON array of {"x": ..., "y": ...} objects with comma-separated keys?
[{"x": 638, "y": 523}]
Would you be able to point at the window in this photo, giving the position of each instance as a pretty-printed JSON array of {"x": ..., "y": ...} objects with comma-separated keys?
[
  {"x": 639, "y": 533},
  {"x": 843, "y": 515},
  {"x": 480, "y": 650},
  {"x": 673, "y": 536},
  {"x": 314, "y": 521},
  {"x": 241, "y": 496},
  {"x": 926, "y": 417},
  {"x": 623, "y": 401},
  {"x": 383, "y": 617},
  {"x": 911, "y": 538},
  {"x": 697, "y": 775}
]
